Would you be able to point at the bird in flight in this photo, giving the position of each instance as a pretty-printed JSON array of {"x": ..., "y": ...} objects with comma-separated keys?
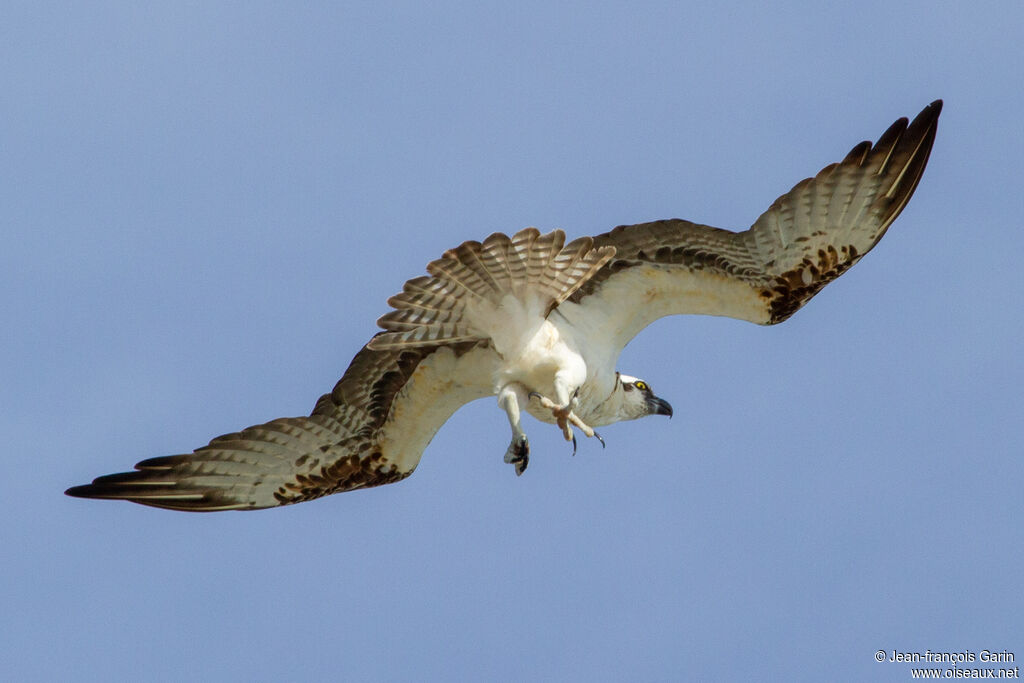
[{"x": 540, "y": 324}]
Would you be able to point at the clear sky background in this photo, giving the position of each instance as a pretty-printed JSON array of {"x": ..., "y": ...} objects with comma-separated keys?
[{"x": 205, "y": 206}]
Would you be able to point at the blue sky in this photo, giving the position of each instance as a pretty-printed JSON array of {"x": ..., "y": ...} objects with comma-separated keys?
[{"x": 205, "y": 207}]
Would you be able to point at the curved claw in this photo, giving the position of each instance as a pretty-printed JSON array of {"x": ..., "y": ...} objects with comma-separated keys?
[
  {"x": 574, "y": 445},
  {"x": 600, "y": 439},
  {"x": 518, "y": 454}
]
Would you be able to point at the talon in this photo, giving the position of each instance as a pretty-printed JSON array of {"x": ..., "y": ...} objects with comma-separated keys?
[
  {"x": 600, "y": 439},
  {"x": 518, "y": 454},
  {"x": 584, "y": 427},
  {"x": 565, "y": 418},
  {"x": 560, "y": 413}
]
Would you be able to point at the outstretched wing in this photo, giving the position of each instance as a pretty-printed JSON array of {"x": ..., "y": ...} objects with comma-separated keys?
[
  {"x": 807, "y": 238},
  {"x": 370, "y": 430}
]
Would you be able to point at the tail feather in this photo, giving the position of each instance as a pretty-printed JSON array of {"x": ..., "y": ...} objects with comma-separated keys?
[
  {"x": 460, "y": 273},
  {"x": 519, "y": 255},
  {"x": 495, "y": 254},
  {"x": 540, "y": 259},
  {"x": 422, "y": 335},
  {"x": 467, "y": 291},
  {"x": 467, "y": 255},
  {"x": 425, "y": 294},
  {"x": 576, "y": 264}
]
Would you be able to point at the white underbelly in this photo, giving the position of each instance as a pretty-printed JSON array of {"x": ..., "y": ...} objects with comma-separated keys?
[{"x": 550, "y": 353}]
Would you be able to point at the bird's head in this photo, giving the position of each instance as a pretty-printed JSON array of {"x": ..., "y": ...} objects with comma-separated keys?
[{"x": 637, "y": 399}]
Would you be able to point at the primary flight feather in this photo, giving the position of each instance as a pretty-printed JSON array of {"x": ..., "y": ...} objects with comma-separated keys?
[{"x": 540, "y": 324}]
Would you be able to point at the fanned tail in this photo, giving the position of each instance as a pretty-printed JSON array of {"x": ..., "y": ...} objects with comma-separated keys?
[{"x": 473, "y": 286}]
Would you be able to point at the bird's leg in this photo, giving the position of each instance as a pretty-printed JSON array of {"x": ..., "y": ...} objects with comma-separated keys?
[
  {"x": 560, "y": 413},
  {"x": 518, "y": 452},
  {"x": 563, "y": 413}
]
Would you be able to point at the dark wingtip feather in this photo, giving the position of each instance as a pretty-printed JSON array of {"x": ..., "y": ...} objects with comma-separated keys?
[
  {"x": 83, "y": 491},
  {"x": 892, "y": 133},
  {"x": 131, "y": 487},
  {"x": 154, "y": 485},
  {"x": 149, "y": 474},
  {"x": 928, "y": 115},
  {"x": 858, "y": 154},
  {"x": 919, "y": 136}
]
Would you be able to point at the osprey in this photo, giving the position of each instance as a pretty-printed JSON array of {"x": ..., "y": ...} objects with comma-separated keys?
[{"x": 540, "y": 324}]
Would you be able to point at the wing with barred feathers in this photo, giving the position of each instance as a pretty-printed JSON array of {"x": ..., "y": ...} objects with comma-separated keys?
[
  {"x": 370, "y": 430},
  {"x": 807, "y": 238}
]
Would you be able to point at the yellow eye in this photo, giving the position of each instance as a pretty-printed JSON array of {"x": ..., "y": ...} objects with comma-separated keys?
[{"x": 641, "y": 385}]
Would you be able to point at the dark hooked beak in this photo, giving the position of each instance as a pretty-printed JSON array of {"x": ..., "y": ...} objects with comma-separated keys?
[{"x": 658, "y": 406}]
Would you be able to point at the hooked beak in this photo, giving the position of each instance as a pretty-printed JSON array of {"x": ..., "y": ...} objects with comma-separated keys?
[{"x": 659, "y": 406}]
